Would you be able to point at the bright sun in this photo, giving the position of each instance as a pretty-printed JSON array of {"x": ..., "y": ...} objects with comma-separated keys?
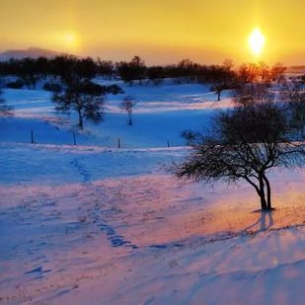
[
  {"x": 69, "y": 39},
  {"x": 256, "y": 42}
]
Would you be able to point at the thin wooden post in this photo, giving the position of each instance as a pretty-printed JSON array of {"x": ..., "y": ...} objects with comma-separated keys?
[
  {"x": 119, "y": 143},
  {"x": 74, "y": 138},
  {"x": 168, "y": 144}
]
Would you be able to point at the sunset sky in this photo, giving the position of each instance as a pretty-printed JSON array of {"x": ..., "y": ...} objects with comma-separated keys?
[{"x": 160, "y": 31}]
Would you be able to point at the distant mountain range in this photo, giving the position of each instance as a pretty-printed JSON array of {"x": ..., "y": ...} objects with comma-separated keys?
[{"x": 31, "y": 52}]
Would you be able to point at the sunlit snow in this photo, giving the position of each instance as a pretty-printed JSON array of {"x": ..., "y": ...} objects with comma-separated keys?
[{"x": 96, "y": 224}]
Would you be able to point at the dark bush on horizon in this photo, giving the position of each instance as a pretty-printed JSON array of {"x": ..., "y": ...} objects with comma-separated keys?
[
  {"x": 17, "y": 84},
  {"x": 53, "y": 87}
]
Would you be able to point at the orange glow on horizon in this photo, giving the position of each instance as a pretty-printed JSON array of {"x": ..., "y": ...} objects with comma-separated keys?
[{"x": 159, "y": 31}]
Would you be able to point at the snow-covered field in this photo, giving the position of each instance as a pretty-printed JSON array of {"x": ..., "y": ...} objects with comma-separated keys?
[{"x": 94, "y": 224}]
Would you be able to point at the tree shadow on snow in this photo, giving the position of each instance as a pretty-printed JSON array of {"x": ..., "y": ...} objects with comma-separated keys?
[{"x": 263, "y": 223}]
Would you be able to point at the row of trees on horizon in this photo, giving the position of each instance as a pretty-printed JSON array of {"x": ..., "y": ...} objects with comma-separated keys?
[
  {"x": 29, "y": 70},
  {"x": 71, "y": 80}
]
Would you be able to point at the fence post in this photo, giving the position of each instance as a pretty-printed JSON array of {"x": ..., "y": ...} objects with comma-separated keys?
[
  {"x": 74, "y": 138},
  {"x": 119, "y": 143},
  {"x": 168, "y": 144}
]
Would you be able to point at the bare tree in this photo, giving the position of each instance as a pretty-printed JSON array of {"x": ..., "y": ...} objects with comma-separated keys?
[
  {"x": 248, "y": 73},
  {"x": 246, "y": 143},
  {"x": 277, "y": 73},
  {"x": 78, "y": 93},
  {"x": 133, "y": 70},
  {"x": 251, "y": 93},
  {"x": 127, "y": 104},
  {"x": 155, "y": 74},
  {"x": 223, "y": 79},
  {"x": 293, "y": 93},
  {"x": 85, "y": 98},
  {"x": 218, "y": 87}
]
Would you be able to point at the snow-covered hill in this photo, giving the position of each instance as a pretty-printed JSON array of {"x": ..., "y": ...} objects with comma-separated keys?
[
  {"x": 160, "y": 115},
  {"x": 94, "y": 224}
]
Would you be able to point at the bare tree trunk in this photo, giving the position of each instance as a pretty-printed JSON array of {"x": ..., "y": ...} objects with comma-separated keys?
[
  {"x": 269, "y": 207},
  {"x": 263, "y": 202},
  {"x": 129, "y": 118},
  {"x": 264, "y": 205},
  {"x": 218, "y": 95},
  {"x": 260, "y": 189},
  {"x": 80, "y": 120}
]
